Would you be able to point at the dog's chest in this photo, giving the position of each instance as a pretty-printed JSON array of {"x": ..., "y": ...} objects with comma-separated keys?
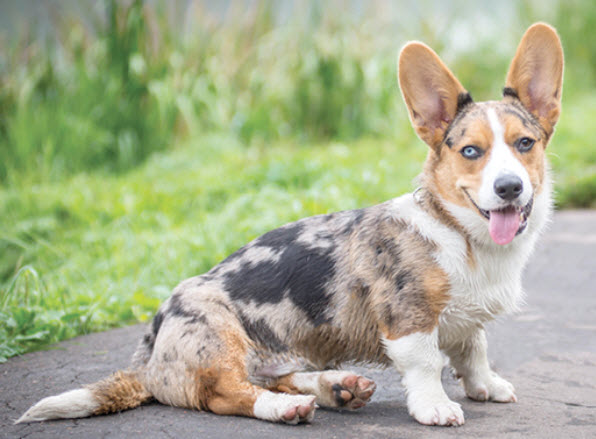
[
  {"x": 483, "y": 282},
  {"x": 479, "y": 290}
]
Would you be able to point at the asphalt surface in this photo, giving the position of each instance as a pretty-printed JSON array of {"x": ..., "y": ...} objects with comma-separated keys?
[{"x": 548, "y": 351}]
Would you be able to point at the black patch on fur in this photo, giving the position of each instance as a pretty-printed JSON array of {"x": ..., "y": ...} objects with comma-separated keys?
[
  {"x": 337, "y": 388},
  {"x": 301, "y": 271},
  {"x": 358, "y": 217},
  {"x": 515, "y": 112},
  {"x": 511, "y": 92},
  {"x": 149, "y": 341},
  {"x": 402, "y": 279},
  {"x": 262, "y": 333},
  {"x": 528, "y": 119},
  {"x": 463, "y": 100},
  {"x": 280, "y": 238},
  {"x": 449, "y": 142},
  {"x": 237, "y": 254},
  {"x": 199, "y": 317},
  {"x": 157, "y": 321},
  {"x": 177, "y": 309}
]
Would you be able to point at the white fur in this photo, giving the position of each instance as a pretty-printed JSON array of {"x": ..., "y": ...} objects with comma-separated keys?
[
  {"x": 501, "y": 162},
  {"x": 418, "y": 359},
  {"x": 478, "y": 292},
  {"x": 271, "y": 406},
  {"x": 471, "y": 363},
  {"x": 77, "y": 403},
  {"x": 492, "y": 285}
]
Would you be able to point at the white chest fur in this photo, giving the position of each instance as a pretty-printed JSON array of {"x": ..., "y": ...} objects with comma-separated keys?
[{"x": 490, "y": 284}]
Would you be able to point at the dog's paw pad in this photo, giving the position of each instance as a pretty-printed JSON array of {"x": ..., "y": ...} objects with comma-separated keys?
[
  {"x": 299, "y": 411},
  {"x": 353, "y": 391}
]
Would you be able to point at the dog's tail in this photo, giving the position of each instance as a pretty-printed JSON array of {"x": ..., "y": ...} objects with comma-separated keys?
[{"x": 121, "y": 391}]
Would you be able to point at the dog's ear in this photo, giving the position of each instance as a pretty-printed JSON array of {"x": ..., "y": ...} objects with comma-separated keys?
[
  {"x": 536, "y": 74},
  {"x": 432, "y": 93}
]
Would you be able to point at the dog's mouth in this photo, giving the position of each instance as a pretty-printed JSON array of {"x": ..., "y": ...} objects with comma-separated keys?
[{"x": 507, "y": 222}]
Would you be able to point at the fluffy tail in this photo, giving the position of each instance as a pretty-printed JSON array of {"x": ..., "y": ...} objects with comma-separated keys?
[{"x": 121, "y": 391}]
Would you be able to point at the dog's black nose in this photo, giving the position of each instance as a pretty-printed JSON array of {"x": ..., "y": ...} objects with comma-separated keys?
[{"x": 508, "y": 187}]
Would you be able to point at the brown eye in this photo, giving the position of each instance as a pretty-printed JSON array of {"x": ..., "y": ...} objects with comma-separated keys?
[{"x": 524, "y": 144}]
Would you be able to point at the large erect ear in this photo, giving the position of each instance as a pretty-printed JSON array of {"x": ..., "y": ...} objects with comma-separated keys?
[
  {"x": 431, "y": 92},
  {"x": 536, "y": 74}
]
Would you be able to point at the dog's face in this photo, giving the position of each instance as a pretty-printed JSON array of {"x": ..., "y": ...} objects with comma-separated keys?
[
  {"x": 494, "y": 165},
  {"x": 489, "y": 157}
]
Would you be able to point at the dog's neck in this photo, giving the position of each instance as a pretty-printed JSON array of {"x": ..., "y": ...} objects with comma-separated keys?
[{"x": 432, "y": 204}]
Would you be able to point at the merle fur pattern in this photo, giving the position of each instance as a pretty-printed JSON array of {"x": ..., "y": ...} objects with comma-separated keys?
[{"x": 307, "y": 296}]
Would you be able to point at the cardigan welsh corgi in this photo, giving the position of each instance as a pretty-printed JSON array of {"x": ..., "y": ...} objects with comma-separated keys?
[{"x": 263, "y": 333}]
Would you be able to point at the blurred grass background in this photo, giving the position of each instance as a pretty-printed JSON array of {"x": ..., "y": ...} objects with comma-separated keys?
[{"x": 141, "y": 143}]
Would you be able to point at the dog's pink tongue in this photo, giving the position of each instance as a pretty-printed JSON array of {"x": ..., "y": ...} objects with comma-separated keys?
[{"x": 503, "y": 225}]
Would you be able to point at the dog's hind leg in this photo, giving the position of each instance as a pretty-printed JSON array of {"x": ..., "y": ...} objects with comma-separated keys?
[
  {"x": 333, "y": 388},
  {"x": 232, "y": 394},
  {"x": 209, "y": 373},
  {"x": 225, "y": 389}
]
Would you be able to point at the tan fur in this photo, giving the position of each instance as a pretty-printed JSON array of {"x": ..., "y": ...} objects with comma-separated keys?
[
  {"x": 416, "y": 308},
  {"x": 449, "y": 174},
  {"x": 121, "y": 391},
  {"x": 224, "y": 388},
  {"x": 532, "y": 160},
  {"x": 284, "y": 384},
  {"x": 430, "y": 91},
  {"x": 536, "y": 74}
]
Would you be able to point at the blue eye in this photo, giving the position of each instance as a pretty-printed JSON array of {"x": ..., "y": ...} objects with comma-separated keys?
[
  {"x": 524, "y": 144},
  {"x": 471, "y": 152}
]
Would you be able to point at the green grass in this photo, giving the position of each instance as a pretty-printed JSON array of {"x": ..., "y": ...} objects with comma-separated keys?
[
  {"x": 134, "y": 158},
  {"x": 95, "y": 251},
  {"x": 98, "y": 251}
]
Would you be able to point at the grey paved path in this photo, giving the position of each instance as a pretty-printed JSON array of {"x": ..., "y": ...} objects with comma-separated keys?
[{"x": 548, "y": 351}]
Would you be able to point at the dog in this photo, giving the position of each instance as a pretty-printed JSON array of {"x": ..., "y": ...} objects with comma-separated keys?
[{"x": 263, "y": 333}]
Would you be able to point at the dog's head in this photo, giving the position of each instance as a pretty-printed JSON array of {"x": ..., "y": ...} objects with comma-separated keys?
[{"x": 487, "y": 157}]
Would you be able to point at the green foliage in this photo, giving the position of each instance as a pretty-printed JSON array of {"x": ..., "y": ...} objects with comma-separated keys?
[
  {"x": 132, "y": 157},
  {"x": 97, "y": 113},
  {"x": 108, "y": 250}
]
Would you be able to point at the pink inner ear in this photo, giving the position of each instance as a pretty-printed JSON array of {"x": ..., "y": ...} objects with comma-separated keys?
[
  {"x": 433, "y": 110},
  {"x": 540, "y": 92}
]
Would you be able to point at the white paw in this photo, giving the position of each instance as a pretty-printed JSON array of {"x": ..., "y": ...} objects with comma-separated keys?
[
  {"x": 493, "y": 388},
  {"x": 279, "y": 407},
  {"x": 441, "y": 412}
]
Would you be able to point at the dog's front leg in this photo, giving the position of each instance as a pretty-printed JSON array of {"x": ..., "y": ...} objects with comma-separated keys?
[
  {"x": 470, "y": 361},
  {"x": 418, "y": 359}
]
